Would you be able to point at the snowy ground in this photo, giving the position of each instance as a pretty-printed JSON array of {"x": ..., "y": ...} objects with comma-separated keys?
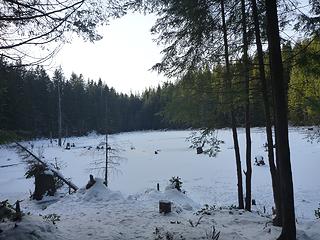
[{"x": 132, "y": 211}]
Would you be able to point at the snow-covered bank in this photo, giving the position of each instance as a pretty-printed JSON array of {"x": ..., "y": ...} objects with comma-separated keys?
[{"x": 99, "y": 213}]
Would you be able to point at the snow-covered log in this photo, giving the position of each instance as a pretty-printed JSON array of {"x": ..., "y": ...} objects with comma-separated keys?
[{"x": 56, "y": 172}]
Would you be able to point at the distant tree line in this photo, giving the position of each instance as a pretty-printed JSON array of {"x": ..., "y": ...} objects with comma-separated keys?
[
  {"x": 29, "y": 104},
  {"x": 29, "y": 99}
]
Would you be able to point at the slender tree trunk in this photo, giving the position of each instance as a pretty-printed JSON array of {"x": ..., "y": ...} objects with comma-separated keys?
[
  {"x": 248, "y": 173},
  {"x": 281, "y": 123},
  {"x": 232, "y": 114},
  {"x": 107, "y": 147},
  {"x": 59, "y": 115},
  {"x": 107, "y": 163},
  {"x": 273, "y": 169}
]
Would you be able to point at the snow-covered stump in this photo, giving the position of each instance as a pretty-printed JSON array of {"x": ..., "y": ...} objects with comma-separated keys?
[
  {"x": 91, "y": 182},
  {"x": 44, "y": 184},
  {"x": 164, "y": 206},
  {"x": 68, "y": 146}
]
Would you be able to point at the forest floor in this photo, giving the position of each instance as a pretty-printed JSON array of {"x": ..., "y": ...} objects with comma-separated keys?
[{"x": 128, "y": 209}]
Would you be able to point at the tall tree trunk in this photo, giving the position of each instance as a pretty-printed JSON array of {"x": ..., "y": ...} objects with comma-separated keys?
[
  {"x": 232, "y": 114},
  {"x": 273, "y": 169},
  {"x": 281, "y": 123},
  {"x": 248, "y": 173},
  {"x": 59, "y": 115}
]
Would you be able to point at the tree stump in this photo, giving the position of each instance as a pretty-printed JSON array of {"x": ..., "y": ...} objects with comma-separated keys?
[
  {"x": 199, "y": 150},
  {"x": 164, "y": 206},
  {"x": 18, "y": 211},
  {"x": 91, "y": 182},
  {"x": 44, "y": 184},
  {"x": 259, "y": 161}
]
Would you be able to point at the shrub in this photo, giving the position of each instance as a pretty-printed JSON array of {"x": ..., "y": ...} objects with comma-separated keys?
[
  {"x": 317, "y": 213},
  {"x": 176, "y": 183}
]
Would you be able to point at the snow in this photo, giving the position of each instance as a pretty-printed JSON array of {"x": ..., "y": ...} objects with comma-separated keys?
[
  {"x": 99, "y": 192},
  {"x": 128, "y": 208},
  {"x": 48, "y": 172},
  {"x": 31, "y": 227}
]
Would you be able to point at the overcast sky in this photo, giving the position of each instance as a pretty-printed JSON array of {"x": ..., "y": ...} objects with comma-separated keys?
[{"x": 121, "y": 59}]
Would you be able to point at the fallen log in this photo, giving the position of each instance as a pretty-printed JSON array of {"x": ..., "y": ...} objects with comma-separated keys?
[{"x": 55, "y": 172}]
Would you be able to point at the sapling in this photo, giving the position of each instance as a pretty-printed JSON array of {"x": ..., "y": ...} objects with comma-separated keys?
[
  {"x": 99, "y": 163},
  {"x": 317, "y": 213},
  {"x": 206, "y": 142},
  {"x": 176, "y": 183}
]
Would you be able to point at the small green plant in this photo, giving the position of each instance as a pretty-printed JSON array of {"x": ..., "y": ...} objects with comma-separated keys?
[
  {"x": 51, "y": 218},
  {"x": 317, "y": 213},
  {"x": 176, "y": 183},
  {"x": 161, "y": 234},
  {"x": 206, "y": 210}
]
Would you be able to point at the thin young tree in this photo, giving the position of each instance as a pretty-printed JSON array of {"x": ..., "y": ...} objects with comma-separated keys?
[
  {"x": 248, "y": 172},
  {"x": 228, "y": 86},
  {"x": 59, "y": 114},
  {"x": 58, "y": 79},
  {"x": 107, "y": 146}
]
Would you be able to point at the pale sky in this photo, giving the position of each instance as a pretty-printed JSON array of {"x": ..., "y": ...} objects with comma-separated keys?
[{"x": 121, "y": 59}]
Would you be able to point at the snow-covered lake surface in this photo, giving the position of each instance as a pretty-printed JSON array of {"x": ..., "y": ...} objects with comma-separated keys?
[{"x": 207, "y": 180}]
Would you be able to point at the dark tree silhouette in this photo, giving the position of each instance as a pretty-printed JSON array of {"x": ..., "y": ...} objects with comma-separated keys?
[
  {"x": 268, "y": 122},
  {"x": 281, "y": 123}
]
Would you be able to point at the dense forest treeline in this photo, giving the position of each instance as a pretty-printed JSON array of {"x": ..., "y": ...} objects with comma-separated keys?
[
  {"x": 29, "y": 104},
  {"x": 29, "y": 99},
  {"x": 199, "y": 99}
]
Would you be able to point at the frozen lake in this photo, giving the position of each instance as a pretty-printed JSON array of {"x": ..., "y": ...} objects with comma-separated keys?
[{"x": 206, "y": 179}]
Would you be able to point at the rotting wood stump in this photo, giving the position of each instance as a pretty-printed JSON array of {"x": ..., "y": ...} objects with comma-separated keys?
[
  {"x": 164, "y": 206},
  {"x": 44, "y": 184}
]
